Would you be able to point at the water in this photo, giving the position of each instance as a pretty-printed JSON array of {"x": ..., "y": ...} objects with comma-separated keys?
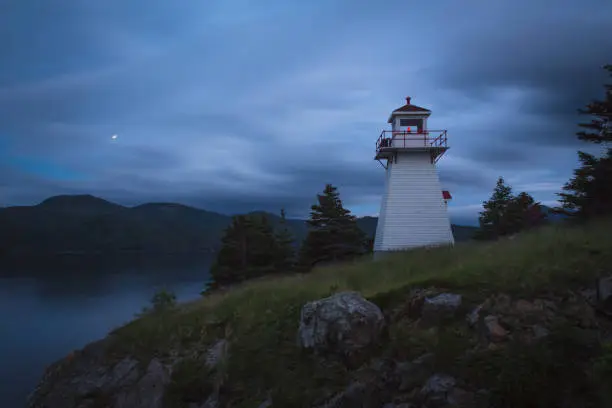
[{"x": 51, "y": 306}]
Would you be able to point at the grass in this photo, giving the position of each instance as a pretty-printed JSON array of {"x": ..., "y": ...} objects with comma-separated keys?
[{"x": 260, "y": 318}]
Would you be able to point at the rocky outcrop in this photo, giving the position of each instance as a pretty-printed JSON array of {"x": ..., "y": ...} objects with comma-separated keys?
[
  {"x": 85, "y": 378},
  {"x": 343, "y": 324},
  {"x": 88, "y": 379},
  {"x": 494, "y": 323},
  {"x": 148, "y": 391},
  {"x": 409, "y": 384},
  {"x": 346, "y": 324},
  {"x": 500, "y": 318}
]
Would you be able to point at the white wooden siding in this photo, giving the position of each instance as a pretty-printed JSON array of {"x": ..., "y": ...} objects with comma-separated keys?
[
  {"x": 383, "y": 208},
  {"x": 413, "y": 212}
]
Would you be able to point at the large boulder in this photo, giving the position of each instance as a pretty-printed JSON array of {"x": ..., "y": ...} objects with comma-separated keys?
[{"x": 343, "y": 323}]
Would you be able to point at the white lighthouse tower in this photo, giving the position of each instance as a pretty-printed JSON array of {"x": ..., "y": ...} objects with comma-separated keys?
[{"x": 413, "y": 211}]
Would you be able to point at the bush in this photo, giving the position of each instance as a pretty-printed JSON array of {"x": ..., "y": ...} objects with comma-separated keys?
[{"x": 161, "y": 301}]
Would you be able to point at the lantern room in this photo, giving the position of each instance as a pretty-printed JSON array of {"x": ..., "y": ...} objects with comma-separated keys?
[
  {"x": 409, "y": 132},
  {"x": 409, "y": 118}
]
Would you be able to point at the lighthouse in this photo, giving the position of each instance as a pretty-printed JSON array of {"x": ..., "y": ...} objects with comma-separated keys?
[{"x": 413, "y": 212}]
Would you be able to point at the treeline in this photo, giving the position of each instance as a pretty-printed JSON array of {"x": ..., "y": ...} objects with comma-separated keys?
[
  {"x": 507, "y": 214},
  {"x": 252, "y": 247},
  {"x": 588, "y": 194}
]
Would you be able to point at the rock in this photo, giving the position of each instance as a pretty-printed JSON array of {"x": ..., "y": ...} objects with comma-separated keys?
[
  {"x": 414, "y": 373},
  {"x": 425, "y": 359},
  {"x": 548, "y": 309},
  {"x": 266, "y": 404},
  {"x": 411, "y": 376},
  {"x": 84, "y": 378},
  {"x": 482, "y": 399},
  {"x": 461, "y": 398},
  {"x": 88, "y": 380},
  {"x": 149, "y": 391},
  {"x": 374, "y": 384},
  {"x": 216, "y": 353},
  {"x": 589, "y": 295},
  {"x": 438, "y": 384},
  {"x": 526, "y": 307},
  {"x": 539, "y": 331},
  {"x": 356, "y": 395},
  {"x": 577, "y": 309},
  {"x": 604, "y": 289},
  {"x": 545, "y": 304},
  {"x": 437, "y": 390},
  {"x": 439, "y": 308},
  {"x": 416, "y": 299},
  {"x": 474, "y": 316},
  {"x": 342, "y": 323},
  {"x": 501, "y": 304},
  {"x": 495, "y": 331},
  {"x": 604, "y": 295},
  {"x": 211, "y": 402},
  {"x": 105, "y": 379}
]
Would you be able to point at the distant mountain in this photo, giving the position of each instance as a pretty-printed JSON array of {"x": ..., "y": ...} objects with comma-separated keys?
[{"x": 88, "y": 224}]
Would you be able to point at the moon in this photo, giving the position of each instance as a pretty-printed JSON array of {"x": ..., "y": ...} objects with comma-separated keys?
[{"x": 113, "y": 137}]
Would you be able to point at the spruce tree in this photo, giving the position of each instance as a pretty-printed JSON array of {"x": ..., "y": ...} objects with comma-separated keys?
[
  {"x": 232, "y": 259},
  {"x": 248, "y": 250},
  {"x": 263, "y": 248},
  {"x": 506, "y": 214},
  {"x": 285, "y": 249},
  {"x": 491, "y": 219},
  {"x": 333, "y": 233},
  {"x": 599, "y": 129},
  {"x": 589, "y": 192},
  {"x": 523, "y": 213}
]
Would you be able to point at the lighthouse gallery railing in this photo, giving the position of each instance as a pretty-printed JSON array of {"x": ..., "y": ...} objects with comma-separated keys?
[{"x": 404, "y": 139}]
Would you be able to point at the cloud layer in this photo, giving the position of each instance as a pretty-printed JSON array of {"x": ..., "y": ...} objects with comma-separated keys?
[{"x": 233, "y": 106}]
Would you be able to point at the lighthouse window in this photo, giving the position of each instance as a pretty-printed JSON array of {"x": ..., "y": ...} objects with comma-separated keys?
[{"x": 418, "y": 123}]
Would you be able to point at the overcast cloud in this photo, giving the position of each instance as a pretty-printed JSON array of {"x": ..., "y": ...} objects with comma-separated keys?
[{"x": 232, "y": 105}]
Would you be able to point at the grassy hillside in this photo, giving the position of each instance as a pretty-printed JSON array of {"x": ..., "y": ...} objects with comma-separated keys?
[
  {"x": 89, "y": 224},
  {"x": 260, "y": 319}
]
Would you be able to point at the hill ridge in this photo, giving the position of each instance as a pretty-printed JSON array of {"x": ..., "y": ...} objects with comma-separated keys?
[{"x": 89, "y": 224}]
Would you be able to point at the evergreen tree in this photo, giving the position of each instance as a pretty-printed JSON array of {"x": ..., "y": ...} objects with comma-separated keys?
[
  {"x": 523, "y": 213},
  {"x": 248, "y": 250},
  {"x": 285, "y": 249},
  {"x": 599, "y": 129},
  {"x": 232, "y": 260},
  {"x": 333, "y": 233},
  {"x": 491, "y": 219},
  {"x": 263, "y": 249},
  {"x": 589, "y": 192},
  {"x": 506, "y": 214}
]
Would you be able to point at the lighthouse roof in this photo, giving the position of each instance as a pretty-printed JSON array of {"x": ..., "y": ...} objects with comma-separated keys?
[{"x": 409, "y": 109}]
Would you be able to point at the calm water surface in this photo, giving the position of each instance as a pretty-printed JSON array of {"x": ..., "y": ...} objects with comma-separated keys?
[{"x": 51, "y": 306}]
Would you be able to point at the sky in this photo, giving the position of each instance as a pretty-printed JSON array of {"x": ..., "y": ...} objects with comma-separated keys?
[{"x": 237, "y": 105}]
